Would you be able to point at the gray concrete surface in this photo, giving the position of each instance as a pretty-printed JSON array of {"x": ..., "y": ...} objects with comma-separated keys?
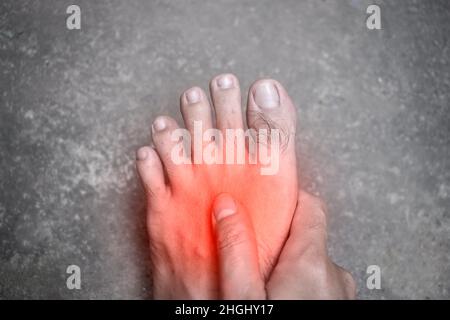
[{"x": 374, "y": 136}]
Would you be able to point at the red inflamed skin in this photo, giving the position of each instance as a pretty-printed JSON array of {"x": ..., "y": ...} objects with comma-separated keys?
[{"x": 181, "y": 190}]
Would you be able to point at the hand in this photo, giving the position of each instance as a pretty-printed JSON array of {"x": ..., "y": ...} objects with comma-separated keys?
[{"x": 303, "y": 271}]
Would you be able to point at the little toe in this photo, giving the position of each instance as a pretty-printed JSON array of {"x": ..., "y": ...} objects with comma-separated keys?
[{"x": 226, "y": 97}]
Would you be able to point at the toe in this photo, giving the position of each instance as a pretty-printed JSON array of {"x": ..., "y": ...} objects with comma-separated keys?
[
  {"x": 195, "y": 109},
  {"x": 150, "y": 171},
  {"x": 270, "y": 107},
  {"x": 226, "y": 97},
  {"x": 172, "y": 145}
]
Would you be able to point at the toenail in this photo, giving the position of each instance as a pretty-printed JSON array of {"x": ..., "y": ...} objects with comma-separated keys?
[
  {"x": 193, "y": 96},
  {"x": 224, "y": 82},
  {"x": 224, "y": 207},
  {"x": 142, "y": 153},
  {"x": 266, "y": 95},
  {"x": 159, "y": 124}
]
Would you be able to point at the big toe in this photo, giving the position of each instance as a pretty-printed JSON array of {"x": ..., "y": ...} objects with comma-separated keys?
[{"x": 269, "y": 107}]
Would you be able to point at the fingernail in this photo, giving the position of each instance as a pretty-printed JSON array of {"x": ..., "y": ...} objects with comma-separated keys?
[
  {"x": 192, "y": 96},
  {"x": 266, "y": 96},
  {"x": 224, "y": 207},
  {"x": 159, "y": 124},
  {"x": 224, "y": 82},
  {"x": 142, "y": 153}
]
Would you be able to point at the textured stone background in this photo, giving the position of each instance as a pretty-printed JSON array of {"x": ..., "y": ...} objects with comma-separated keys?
[{"x": 374, "y": 137}]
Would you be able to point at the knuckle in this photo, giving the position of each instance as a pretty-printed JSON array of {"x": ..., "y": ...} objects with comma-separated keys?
[
  {"x": 316, "y": 211},
  {"x": 231, "y": 236},
  {"x": 318, "y": 219},
  {"x": 318, "y": 204},
  {"x": 316, "y": 267},
  {"x": 350, "y": 284}
]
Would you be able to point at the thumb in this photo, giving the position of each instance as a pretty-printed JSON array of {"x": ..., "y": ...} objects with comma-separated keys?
[{"x": 239, "y": 276}]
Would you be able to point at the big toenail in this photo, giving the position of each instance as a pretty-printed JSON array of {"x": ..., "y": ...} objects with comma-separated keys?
[
  {"x": 193, "y": 96},
  {"x": 159, "y": 124},
  {"x": 142, "y": 153},
  {"x": 224, "y": 82},
  {"x": 266, "y": 96}
]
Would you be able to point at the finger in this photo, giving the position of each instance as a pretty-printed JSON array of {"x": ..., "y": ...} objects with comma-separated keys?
[
  {"x": 304, "y": 269},
  {"x": 240, "y": 277},
  {"x": 308, "y": 234},
  {"x": 348, "y": 282}
]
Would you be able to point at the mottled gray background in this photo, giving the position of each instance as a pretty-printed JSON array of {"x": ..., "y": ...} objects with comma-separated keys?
[{"x": 374, "y": 137}]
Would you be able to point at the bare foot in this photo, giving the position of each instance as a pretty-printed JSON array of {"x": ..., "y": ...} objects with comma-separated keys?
[{"x": 180, "y": 196}]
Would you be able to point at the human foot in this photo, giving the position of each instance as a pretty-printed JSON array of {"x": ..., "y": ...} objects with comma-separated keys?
[{"x": 180, "y": 196}]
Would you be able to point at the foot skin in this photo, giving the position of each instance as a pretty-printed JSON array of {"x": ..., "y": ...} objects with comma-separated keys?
[{"x": 180, "y": 196}]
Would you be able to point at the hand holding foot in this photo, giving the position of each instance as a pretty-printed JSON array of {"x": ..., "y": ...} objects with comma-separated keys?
[
  {"x": 181, "y": 193},
  {"x": 304, "y": 269}
]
